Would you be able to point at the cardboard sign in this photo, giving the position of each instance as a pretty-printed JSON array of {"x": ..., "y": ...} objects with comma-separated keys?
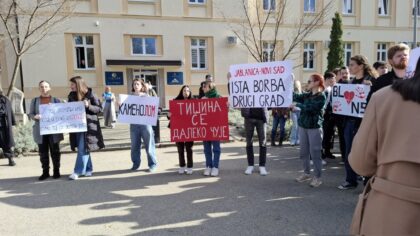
[
  {"x": 199, "y": 120},
  {"x": 350, "y": 99},
  {"x": 412, "y": 62},
  {"x": 268, "y": 84},
  {"x": 138, "y": 110},
  {"x": 58, "y": 118}
]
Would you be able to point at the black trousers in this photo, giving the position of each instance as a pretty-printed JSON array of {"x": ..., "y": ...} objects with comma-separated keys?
[
  {"x": 181, "y": 146},
  {"x": 47, "y": 147},
  {"x": 7, "y": 151},
  {"x": 339, "y": 121},
  {"x": 328, "y": 127}
]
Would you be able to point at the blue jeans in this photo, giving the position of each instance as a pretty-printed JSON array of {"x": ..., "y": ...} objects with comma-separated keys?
[
  {"x": 137, "y": 134},
  {"x": 350, "y": 130},
  {"x": 212, "y": 156},
  {"x": 278, "y": 120},
  {"x": 294, "y": 134},
  {"x": 83, "y": 160}
]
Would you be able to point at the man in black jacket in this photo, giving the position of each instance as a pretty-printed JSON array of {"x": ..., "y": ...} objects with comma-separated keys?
[
  {"x": 398, "y": 59},
  {"x": 7, "y": 120}
]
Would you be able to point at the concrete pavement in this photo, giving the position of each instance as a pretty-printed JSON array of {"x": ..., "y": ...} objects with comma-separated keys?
[{"x": 116, "y": 201}]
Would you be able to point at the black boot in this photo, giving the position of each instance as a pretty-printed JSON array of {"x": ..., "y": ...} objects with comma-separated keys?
[
  {"x": 11, "y": 162},
  {"x": 44, "y": 176},
  {"x": 56, "y": 174}
]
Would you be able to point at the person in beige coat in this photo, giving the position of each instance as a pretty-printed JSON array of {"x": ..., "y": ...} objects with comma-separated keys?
[{"x": 387, "y": 147}]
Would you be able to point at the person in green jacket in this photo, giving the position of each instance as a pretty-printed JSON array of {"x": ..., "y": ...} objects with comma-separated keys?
[
  {"x": 312, "y": 105},
  {"x": 211, "y": 148}
]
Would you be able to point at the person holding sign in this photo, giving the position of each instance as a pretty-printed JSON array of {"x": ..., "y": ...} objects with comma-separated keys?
[
  {"x": 92, "y": 140},
  {"x": 47, "y": 144},
  {"x": 212, "y": 149},
  {"x": 185, "y": 93},
  {"x": 387, "y": 148},
  {"x": 142, "y": 132},
  {"x": 364, "y": 74},
  {"x": 312, "y": 105}
]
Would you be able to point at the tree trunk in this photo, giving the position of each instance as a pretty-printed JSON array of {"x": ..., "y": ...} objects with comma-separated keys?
[{"x": 15, "y": 74}]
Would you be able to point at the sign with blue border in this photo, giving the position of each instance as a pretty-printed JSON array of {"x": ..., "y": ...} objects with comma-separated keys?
[
  {"x": 175, "y": 78},
  {"x": 114, "y": 78}
]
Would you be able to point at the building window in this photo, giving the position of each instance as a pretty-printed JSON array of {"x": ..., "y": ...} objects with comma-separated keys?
[
  {"x": 309, "y": 56},
  {"x": 143, "y": 45},
  {"x": 85, "y": 52},
  {"x": 348, "y": 7},
  {"x": 418, "y": 7},
  {"x": 268, "y": 52},
  {"x": 269, "y": 5},
  {"x": 309, "y": 6},
  {"x": 196, "y": 1},
  {"x": 198, "y": 54},
  {"x": 383, "y": 7},
  {"x": 348, "y": 50},
  {"x": 381, "y": 53}
]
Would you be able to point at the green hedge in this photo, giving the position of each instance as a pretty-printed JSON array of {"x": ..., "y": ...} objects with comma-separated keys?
[{"x": 24, "y": 140}]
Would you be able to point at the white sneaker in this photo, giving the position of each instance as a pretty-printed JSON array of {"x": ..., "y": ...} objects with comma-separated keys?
[
  {"x": 249, "y": 170},
  {"x": 263, "y": 171},
  {"x": 316, "y": 182},
  {"x": 189, "y": 171},
  {"x": 88, "y": 174},
  {"x": 214, "y": 172},
  {"x": 181, "y": 170},
  {"x": 74, "y": 176},
  {"x": 207, "y": 171},
  {"x": 304, "y": 178}
]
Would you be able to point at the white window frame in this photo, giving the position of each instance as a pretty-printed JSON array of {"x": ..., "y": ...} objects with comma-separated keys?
[
  {"x": 383, "y": 7},
  {"x": 348, "y": 52},
  {"x": 198, "y": 47},
  {"x": 268, "y": 49},
  {"x": 309, "y": 50},
  {"x": 195, "y": 2},
  {"x": 348, "y": 7},
  {"x": 143, "y": 38},
  {"x": 311, "y": 9},
  {"x": 381, "y": 51},
  {"x": 85, "y": 47},
  {"x": 271, "y": 5}
]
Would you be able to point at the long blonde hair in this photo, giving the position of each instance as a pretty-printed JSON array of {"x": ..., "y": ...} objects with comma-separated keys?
[{"x": 81, "y": 87}]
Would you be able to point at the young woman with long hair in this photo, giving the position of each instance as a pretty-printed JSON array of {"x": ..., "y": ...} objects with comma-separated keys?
[
  {"x": 142, "y": 132},
  {"x": 363, "y": 74},
  {"x": 92, "y": 139},
  {"x": 184, "y": 94}
]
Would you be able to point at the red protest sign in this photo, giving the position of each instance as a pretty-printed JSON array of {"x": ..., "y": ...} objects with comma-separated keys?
[{"x": 199, "y": 120}]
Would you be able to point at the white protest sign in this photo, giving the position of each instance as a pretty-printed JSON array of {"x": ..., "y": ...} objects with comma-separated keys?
[
  {"x": 57, "y": 118},
  {"x": 138, "y": 110},
  {"x": 268, "y": 84},
  {"x": 350, "y": 99},
  {"x": 412, "y": 62}
]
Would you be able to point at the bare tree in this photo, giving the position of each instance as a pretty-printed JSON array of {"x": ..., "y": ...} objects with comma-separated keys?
[
  {"x": 26, "y": 23},
  {"x": 261, "y": 25}
]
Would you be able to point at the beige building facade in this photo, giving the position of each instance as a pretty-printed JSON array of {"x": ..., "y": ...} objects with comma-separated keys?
[{"x": 177, "y": 42}]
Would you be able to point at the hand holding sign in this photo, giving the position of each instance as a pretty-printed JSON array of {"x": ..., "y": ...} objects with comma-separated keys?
[{"x": 350, "y": 99}]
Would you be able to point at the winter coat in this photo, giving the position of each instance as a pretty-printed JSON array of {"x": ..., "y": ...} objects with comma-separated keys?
[
  {"x": 36, "y": 130},
  {"x": 312, "y": 109},
  {"x": 94, "y": 139},
  {"x": 387, "y": 148},
  {"x": 7, "y": 119}
]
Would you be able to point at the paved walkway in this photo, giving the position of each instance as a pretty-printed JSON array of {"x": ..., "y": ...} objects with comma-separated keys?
[{"x": 116, "y": 201}]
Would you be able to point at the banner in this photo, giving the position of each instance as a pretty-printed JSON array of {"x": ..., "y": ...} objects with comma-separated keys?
[
  {"x": 57, "y": 118},
  {"x": 268, "y": 84},
  {"x": 199, "y": 120},
  {"x": 138, "y": 110},
  {"x": 350, "y": 99}
]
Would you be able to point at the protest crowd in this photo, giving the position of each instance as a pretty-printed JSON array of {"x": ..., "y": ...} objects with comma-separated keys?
[{"x": 371, "y": 111}]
